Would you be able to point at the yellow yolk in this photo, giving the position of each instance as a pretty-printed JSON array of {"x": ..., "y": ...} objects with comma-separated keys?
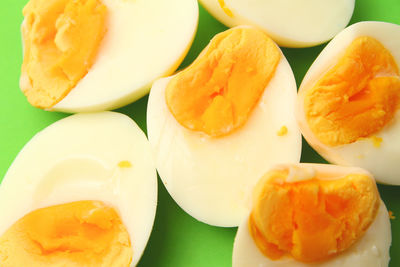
[
  {"x": 377, "y": 141},
  {"x": 83, "y": 233},
  {"x": 225, "y": 8},
  {"x": 217, "y": 93},
  {"x": 282, "y": 131},
  {"x": 314, "y": 219},
  {"x": 125, "y": 164},
  {"x": 61, "y": 40},
  {"x": 357, "y": 97}
]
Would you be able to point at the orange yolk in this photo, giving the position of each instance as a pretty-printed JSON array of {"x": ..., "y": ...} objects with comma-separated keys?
[
  {"x": 391, "y": 216},
  {"x": 357, "y": 97},
  {"x": 83, "y": 233},
  {"x": 311, "y": 220},
  {"x": 216, "y": 94},
  {"x": 61, "y": 40}
]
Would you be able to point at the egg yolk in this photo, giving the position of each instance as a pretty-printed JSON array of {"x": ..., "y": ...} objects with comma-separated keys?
[
  {"x": 227, "y": 11},
  {"x": 83, "y": 233},
  {"x": 216, "y": 94},
  {"x": 311, "y": 220},
  {"x": 61, "y": 40},
  {"x": 357, "y": 97}
]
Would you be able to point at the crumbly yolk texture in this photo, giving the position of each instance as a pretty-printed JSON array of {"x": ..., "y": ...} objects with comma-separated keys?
[
  {"x": 217, "y": 93},
  {"x": 61, "y": 39},
  {"x": 83, "y": 233},
  {"x": 311, "y": 220},
  {"x": 357, "y": 97}
]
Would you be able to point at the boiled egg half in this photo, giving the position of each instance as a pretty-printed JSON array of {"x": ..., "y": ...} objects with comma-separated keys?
[
  {"x": 92, "y": 55},
  {"x": 216, "y": 126},
  {"x": 290, "y": 23},
  {"x": 314, "y": 215},
  {"x": 349, "y": 101},
  {"x": 82, "y": 192}
]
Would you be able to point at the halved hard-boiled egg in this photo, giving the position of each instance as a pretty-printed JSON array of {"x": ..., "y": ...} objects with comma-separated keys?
[
  {"x": 349, "y": 101},
  {"x": 82, "y": 192},
  {"x": 91, "y": 55},
  {"x": 216, "y": 126},
  {"x": 314, "y": 215},
  {"x": 289, "y": 23}
]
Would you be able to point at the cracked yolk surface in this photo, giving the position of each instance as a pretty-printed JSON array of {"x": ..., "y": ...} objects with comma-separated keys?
[
  {"x": 83, "y": 233},
  {"x": 61, "y": 40},
  {"x": 311, "y": 220},
  {"x": 216, "y": 94},
  {"x": 357, "y": 97}
]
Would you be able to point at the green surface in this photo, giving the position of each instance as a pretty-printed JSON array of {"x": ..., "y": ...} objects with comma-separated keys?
[{"x": 177, "y": 239}]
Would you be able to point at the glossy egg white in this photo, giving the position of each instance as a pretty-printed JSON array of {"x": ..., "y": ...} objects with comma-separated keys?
[
  {"x": 77, "y": 159},
  {"x": 211, "y": 178},
  {"x": 144, "y": 40},
  {"x": 371, "y": 250},
  {"x": 381, "y": 161},
  {"x": 290, "y": 23}
]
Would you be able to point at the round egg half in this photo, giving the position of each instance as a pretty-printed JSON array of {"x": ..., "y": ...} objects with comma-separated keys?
[
  {"x": 82, "y": 192},
  {"x": 218, "y": 125},
  {"x": 289, "y": 23},
  {"x": 314, "y": 215},
  {"x": 93, "y": 55},
  {"x": 349, "y": 101}
]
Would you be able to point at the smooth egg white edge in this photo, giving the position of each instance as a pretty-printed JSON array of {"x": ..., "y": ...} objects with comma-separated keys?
[
  {"x": 145, "y": 40},
  {"x": 381, "y": 161},
  {"x": 371, "y": 250},
  {"x": 280, "y": 19},
  {"x": 77, "y": 159},
  {"x": 211, "y": 178}
]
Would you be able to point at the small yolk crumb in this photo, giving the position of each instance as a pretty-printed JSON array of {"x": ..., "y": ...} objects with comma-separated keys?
[
  {"x": 282, "y": 131},
  {"x": 216, "y": 94},
  {"x": 61, "y": 40},
  {"x": 311, "y": 220},
  {"x": 225, "y": 8},
  {"x": 357, "y": 97},
  {"x": 83, "y": 233},
  {"x": 124, "y": 164},
  {"x": 377, "y": 141},
  {"x": 391, "y": 216}
]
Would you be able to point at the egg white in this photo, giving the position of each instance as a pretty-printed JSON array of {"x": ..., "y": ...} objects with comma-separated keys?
[
  {"x": 289, "y": 23},
  {"x": 371, "y": 250},
  {"x": 145, "y": 40},
  {"x": 381, "y": 161},
  {"x": 210, "y": 178},
  {"x": 77, "y": 159}
]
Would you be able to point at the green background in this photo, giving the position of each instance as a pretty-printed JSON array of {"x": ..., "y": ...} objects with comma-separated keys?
[{"x": 177, "y": 239}]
